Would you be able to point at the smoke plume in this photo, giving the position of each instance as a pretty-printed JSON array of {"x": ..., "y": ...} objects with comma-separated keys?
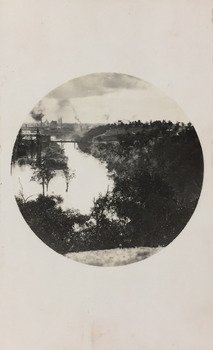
[
  {"x": 75, "y": 113},
  {"x": 37, "y": 113}
]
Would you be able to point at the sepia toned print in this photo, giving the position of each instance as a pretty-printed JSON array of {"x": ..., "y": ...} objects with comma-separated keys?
[{"x": 107, "y": 170}]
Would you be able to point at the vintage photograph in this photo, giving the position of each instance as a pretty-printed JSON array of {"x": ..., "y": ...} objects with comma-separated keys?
[{"x": 107, "y": 170}]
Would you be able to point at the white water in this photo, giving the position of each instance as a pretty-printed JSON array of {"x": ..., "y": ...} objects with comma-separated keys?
[{"x": 90, "y": 180}]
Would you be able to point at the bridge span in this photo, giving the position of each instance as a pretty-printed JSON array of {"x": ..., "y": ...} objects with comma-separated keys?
[
  {"x": 75, "y": 143},
  {"x": 67, "y": 141}
]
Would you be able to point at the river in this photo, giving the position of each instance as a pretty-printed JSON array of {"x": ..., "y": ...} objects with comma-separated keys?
[{"x": 90, "y": 180}]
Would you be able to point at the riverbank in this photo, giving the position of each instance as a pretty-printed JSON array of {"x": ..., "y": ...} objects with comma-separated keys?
[
  {"x": 90, "y": 179},
  {"x": 113, "y": 257}
]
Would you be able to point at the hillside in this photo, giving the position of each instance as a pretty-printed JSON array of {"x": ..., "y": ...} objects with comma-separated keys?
[{"x": 157, "y": 169}]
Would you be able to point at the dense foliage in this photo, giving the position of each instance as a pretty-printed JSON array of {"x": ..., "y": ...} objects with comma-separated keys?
[
  {"x": 157, "y": 169},
  {"x": 51, "y": 224},
  {"x": 52, "y": 158}
]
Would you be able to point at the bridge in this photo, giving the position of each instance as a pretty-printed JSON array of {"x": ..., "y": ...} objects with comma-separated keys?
[{"x": 67, "y": 141}]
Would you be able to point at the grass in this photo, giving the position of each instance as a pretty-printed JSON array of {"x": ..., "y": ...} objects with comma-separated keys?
[{"x": 113, "y": 257}]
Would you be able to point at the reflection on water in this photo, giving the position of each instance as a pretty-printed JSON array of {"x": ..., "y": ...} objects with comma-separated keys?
[{"x": 90, "y": 180}]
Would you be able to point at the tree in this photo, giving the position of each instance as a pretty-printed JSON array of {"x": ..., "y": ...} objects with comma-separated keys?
[
  {"x": 43, "y": 174},
  {"x": 157, "y": 170},
  {"x": 53, "y": 158},
  {"x": 108, "y": 229},
  {"x": 21, "y": 193},
  {"x": 68, "y": 175},
  {"x": 54, "y": 226}
]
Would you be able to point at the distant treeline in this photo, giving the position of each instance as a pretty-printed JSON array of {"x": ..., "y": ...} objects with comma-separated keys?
[{"x": 157, "y": 169}]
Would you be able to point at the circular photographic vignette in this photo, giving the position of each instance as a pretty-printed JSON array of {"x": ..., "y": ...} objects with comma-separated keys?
[{"x": 107, "y": 170}]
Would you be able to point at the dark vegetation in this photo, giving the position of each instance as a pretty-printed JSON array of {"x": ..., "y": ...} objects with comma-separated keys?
[
  {"x": 50, "y": 160},
  {"x": 50, "y": 223},
  {"x": 157, "y": 169}
]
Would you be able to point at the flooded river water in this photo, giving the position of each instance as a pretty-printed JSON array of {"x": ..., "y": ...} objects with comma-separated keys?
[{"x": 90, "y": 179}]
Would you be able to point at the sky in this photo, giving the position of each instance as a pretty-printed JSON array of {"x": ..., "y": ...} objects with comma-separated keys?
[{"x": 107, "y": 98}]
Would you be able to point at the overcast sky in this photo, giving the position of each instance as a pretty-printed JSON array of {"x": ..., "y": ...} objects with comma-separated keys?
[{"x": 107, "y": 97}]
